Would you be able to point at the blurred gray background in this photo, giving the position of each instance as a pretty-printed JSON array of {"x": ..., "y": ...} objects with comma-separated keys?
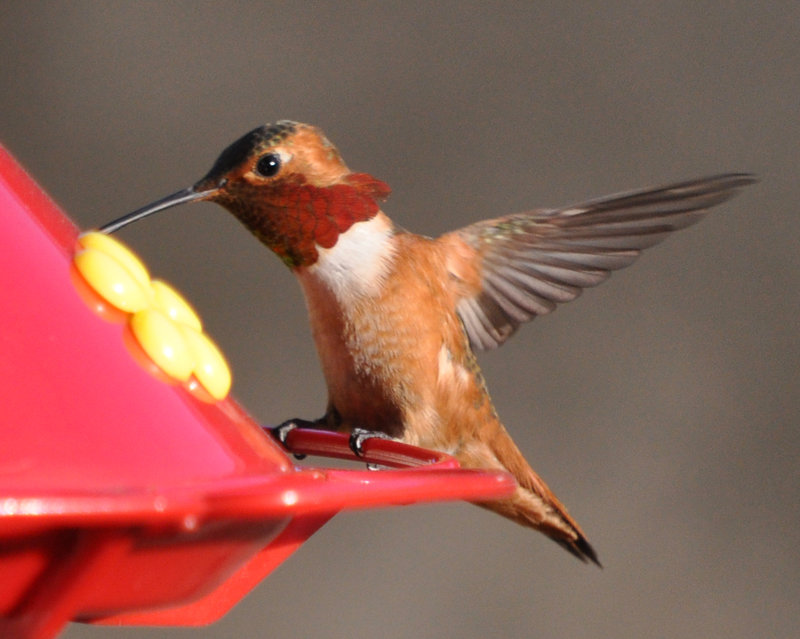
[{"x": 662, "y": 407}]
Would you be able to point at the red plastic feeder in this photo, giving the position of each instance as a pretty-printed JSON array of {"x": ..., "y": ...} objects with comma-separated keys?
[{"x": 128, "y": 500}]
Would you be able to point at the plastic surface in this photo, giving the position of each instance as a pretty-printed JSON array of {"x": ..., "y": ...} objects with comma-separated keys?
[{"x": 123, "y": 497}]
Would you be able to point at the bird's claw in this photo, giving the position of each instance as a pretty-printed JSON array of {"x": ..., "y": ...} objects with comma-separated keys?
[
  {"x": 281, "y": 432},
  {"x": 359, "y": 435}
]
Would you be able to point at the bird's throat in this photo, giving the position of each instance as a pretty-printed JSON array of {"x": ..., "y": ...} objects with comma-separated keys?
[{"x": 299, "y": 218}]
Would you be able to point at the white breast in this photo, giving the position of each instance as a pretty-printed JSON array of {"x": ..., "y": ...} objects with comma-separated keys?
[{"x": 358, "y": 263}]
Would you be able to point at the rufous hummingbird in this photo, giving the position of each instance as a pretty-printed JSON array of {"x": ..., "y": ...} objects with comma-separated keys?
[{"x": 397, "y": 317}]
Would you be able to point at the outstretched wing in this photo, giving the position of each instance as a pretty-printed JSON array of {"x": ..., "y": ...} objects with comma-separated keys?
[{"x": 510, "y": 269}]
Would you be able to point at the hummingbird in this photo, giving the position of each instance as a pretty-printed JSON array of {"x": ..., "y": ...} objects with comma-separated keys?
[{"x": 397, "y": 317}]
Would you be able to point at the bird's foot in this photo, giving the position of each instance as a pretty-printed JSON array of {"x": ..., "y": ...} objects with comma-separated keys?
[
  {"x": 281, "y": 432},
  {"x": 359, "y": 435}
]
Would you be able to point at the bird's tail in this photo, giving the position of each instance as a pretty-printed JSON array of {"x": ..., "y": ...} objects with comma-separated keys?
[{"x": 533, "y": 504}]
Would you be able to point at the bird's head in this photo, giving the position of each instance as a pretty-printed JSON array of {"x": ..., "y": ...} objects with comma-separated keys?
[{"x": 288, "y": 185}]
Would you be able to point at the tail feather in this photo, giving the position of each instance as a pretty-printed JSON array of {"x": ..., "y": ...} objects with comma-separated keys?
[
  {"x": 533, "y": 504},
  {"x": 549, "y": 517},
  {"x": 582, "y": 549}
]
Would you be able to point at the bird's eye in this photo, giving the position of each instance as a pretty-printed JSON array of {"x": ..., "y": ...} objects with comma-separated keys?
[{"x": 268, "y": 165}]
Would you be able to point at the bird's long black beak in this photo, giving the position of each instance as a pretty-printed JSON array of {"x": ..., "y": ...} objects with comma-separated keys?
[{"x": 181, "y": 197}]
